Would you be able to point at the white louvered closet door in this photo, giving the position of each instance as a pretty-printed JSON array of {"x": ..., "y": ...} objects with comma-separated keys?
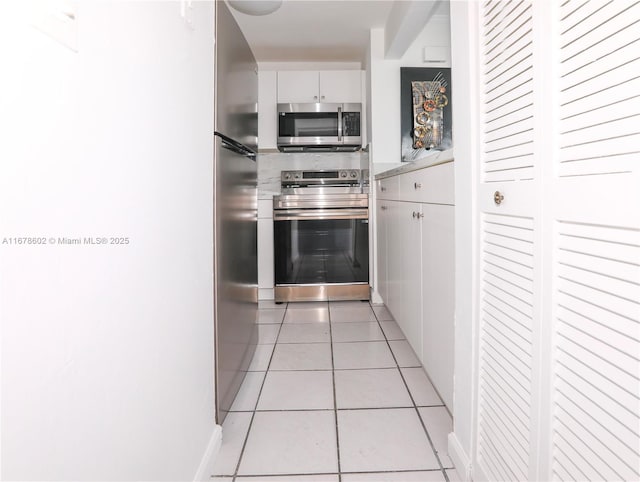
[
  {"x": 508, "y": 255},
  {"x": 595, "y": 422},
  {"x": 558, "y": 368}
]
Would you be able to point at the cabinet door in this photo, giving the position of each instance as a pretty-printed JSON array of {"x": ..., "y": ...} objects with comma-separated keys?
[
  {"x": 341, "y": 86},
  {"x": 298, "y": 86},
  {"x": 394, "y": 263},
  {"x": 382, "y": 228},
  {"x": 438, "y": 297},
  {"x": 411, "y": 277}
]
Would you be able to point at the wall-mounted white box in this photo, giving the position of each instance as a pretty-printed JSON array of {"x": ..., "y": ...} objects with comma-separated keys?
[{"x": 437, "y": 55}]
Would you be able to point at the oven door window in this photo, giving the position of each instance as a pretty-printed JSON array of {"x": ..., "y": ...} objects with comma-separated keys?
[
  {"x": 308, "y": 124},
  {"x": 321, "y": 251}
]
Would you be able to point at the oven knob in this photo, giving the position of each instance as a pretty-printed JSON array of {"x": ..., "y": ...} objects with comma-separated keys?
[
  {"x": 353, "y": 174},
  {"x": 343, "y": 174},
  {"x": 287, "y": 176},
  {"x": 297, "y": 176}
]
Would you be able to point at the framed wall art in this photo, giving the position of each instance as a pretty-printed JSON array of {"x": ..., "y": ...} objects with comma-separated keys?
[{"x": 425, "y": 96}]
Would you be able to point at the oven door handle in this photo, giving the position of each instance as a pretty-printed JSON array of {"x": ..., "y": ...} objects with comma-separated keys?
[{"x": 321, "y": 214}]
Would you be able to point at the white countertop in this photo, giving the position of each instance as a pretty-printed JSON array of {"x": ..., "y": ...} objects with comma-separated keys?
[{"x": 431, "y": 159}]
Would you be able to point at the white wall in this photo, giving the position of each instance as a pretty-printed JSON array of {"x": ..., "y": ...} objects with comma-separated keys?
[
  {"x": 309, "y": 66},
  {"x": 463, "y": 68},
  {"x": 384, "y": 75},
  {"x": 107, "y": 351}
]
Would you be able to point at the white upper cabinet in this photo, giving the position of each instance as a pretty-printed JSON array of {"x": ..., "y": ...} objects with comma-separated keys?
[
  {"x": 298, "y": 86},
  {"x": 310, "y": 86},
  {"x": 340, "y": 86}
]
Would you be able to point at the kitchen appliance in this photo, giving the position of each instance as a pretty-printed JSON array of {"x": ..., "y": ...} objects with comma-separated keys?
[
  {"x": 321, "y": 236},
  {"x": 235, "y": 209},
  {"x": 319, "y": 127}
]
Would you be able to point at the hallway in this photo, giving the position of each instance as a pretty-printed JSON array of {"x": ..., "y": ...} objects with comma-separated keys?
[{"x": 334, "y": 393}]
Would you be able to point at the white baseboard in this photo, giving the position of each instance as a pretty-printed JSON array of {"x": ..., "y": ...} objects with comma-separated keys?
[
  {"x": 459, "y": 457},
  {"x": 209, "y": 458},
  {"x": 376, "y": 299}
]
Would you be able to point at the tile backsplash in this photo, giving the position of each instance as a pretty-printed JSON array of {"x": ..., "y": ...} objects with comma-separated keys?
[{"x": 270, "y": 164}]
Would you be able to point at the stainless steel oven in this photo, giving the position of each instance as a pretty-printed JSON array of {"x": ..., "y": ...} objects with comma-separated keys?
[{"x": 321, "y": 236}]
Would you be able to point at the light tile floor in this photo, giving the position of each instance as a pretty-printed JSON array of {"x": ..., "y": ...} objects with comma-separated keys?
[{"x": 334, "y": 394}]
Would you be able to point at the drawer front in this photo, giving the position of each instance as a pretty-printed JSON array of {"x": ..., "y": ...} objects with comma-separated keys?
[
  {"x": 429, "y": 185},
  {"x": 387, "y": 188}
]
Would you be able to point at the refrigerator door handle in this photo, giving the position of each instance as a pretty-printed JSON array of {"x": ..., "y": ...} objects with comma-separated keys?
[{"x": 235, "y": 146}]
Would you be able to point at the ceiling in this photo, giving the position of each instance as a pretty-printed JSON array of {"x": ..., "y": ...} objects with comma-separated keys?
[{"x": 315, "y": 30}]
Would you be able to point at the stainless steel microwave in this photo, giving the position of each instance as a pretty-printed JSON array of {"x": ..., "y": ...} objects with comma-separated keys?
[{"x": 319, "y": 127}]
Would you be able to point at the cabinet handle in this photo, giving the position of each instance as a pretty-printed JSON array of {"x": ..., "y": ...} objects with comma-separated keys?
[
  {"x": 498, "y": 198},
  {"x": 383, "y": 208},
  {"x": 417, "y": 185},
  {"x": 383, "y": 189},
  {"x": 322, "y": 97},
  {"x": 315, "y": 97},
  {"x": 417, "y": 215},
  {"x": 414, "y": 214}
]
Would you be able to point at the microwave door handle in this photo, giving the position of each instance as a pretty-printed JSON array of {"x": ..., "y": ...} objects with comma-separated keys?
[{"x": 339, "y": 124}]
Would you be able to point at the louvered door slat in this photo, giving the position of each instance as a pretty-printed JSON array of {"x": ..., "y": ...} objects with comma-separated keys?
[
  {"x": 596, "y": 23},
  {"x": 605, "y": 384},
  {"x": 582, "y": 85},
  {"x": 510, "y": 355},
  {"x": 508, "y": 88},
  {"x": 608, "y": 301},
  {"x": 600, "y": 89},
  {"x": 576, "y": 118},
  {"x": 619, "y": 348},
  {"x": 510, "y": 327},
  {"x": 601, "y": 264},
  {"x": 577, "y": 458},
  {"x": 515, "y": 103},
  {"x": 612, "y": 128},
  {"x": 495, "y": 258},
  {"x": 590, "y": 311},
  {"x": 620, "y": 288},
  {"x": 611, "y": 432},
  {"x": 499, "y": 273},
  {"x": 512, "y": 457},
  {"x": 606, "y": 453},
  {"x": 506, "y": 30}
]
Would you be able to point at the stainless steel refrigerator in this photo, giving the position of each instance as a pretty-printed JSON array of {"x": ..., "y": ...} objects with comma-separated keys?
[{"x": 235, "y": 208}]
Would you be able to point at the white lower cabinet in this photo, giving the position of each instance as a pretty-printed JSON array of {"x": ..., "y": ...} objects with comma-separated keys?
[
  {"x": 438, "y": 296},
  {"x": 410, "y": 286},
  {"x": 394, "y": 264},
  {"x": 415, "y": 242}
]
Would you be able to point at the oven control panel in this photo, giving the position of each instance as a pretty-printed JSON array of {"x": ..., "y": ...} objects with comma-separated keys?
[{"x": 327, "y": 178}]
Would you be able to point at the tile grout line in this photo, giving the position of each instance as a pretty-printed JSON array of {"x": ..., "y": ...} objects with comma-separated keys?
[
  {"x": 333, "y": 384},
  {"x": 415, "y": 407},
  {"x": 253, "y": 413}
]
